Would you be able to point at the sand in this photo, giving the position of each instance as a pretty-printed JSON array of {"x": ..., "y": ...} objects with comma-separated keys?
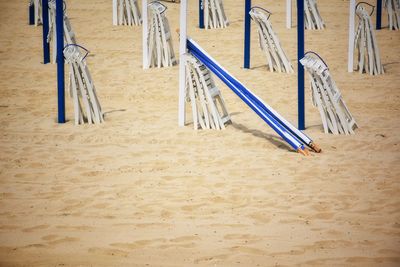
[{"x": 140, "y": 191}]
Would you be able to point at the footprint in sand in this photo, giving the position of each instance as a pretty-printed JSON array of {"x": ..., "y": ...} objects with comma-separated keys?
[
  {"x": 76, "y": 204},
  {"x": 101, "y": 205},
  {"x": 35, "y": 246},
  {"x": 63, "y": 240},
  {"x": 49, "y": 237},
  {"x": 138, "y": 244},
  {"x": 108, "y": 252},
  {"x": 323, "y": 215},
  {"x": 216, "y": 258},
  {"x": 192, "y": 207},
  {"x": 261, "y": 218},
  {"x": 8, "y": 227},
  {"x": 21, "y": 175},
  {"x": 181, "y": 242},
  {"x": 34, "y": 228},
  {"x": 6, "y": 195},
  {"x": 185, "y": 239},
  {"x": 75, "y": 228},
  {"x": 100, "y": 193},
  {"x": 243, "y": 237},
  {"x": 248, "y": 250}
]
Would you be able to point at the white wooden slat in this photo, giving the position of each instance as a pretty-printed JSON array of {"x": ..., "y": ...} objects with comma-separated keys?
[{"x": 369, "y": 59}]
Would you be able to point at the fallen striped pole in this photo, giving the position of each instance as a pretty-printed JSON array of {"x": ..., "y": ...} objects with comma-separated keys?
[{"x": 294, "y": 137}]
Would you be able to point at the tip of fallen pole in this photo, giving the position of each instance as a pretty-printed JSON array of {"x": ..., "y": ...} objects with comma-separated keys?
[
  {"x": 315, "y": 147},
  {"x": 304, "y": 152}
]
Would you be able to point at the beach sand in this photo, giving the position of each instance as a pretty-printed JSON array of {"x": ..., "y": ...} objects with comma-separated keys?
[{"x": 140, "y": 191}]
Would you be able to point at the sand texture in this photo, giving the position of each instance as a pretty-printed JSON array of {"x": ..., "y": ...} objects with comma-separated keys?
[{"x": 140, "y": 191}]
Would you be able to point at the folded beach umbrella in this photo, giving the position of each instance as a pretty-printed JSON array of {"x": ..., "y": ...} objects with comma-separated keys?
[
  {"x": 214, "y": 14},
  {"x": 87, "y": 107},
  {"x": 336, "y": 117},
  {"x": 369, "y": 59},
  {"x": 160, "y": 49},
  {"x": 269, "y": 42},
  {"x": 393, "y": 11},
  {"x": 208, "y": 105}
]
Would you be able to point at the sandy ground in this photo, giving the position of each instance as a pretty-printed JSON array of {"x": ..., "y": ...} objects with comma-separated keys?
[{"x": 140, "y": 191}]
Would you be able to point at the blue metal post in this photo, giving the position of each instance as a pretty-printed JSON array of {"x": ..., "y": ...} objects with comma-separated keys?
[
  {"x": 60, "y": 60},
  {"x": 46, "y": 46},
  {"x": 379, "y": 14},
  {"x": 300, "y": 68},
  {"x": 31, "y": 14},
  {"x": 201, "y": 14},
  {"x": 247, "y": 34}
]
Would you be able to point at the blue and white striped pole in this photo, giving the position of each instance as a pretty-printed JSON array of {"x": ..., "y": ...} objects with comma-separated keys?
[
  {"x": 60, "y": 60},
  {"x": 247, "y": 34},
  {"x": 378, "y": 14},
  {"x": 300, "y": 68},
  {"x": 46, "y": 45},
  {"x": 288, "y": 132},
  {"x": 201, "y": 14}
]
